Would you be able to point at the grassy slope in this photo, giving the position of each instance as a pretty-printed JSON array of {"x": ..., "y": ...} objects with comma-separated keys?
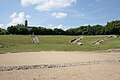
[
  {"x": 54, "y": 43},
  {"x": 14, "y": 40}
]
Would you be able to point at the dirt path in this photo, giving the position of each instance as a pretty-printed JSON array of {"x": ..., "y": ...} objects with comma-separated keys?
[{"x": 72, "y": 66}]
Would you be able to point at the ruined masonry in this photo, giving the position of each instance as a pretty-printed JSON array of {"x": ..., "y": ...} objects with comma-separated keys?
[{"x": 34, "y": 39}]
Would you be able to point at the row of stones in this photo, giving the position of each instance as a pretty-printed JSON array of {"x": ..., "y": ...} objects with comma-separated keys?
[
  {"x": 43, "y": 66},
  {"x": 76, "y": 40},
  {"x": 97, "y": 42}
]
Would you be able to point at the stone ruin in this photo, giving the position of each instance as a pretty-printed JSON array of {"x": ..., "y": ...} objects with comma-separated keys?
[
  {"x": 46, "y": 66},
  {"x": 97, "y": 42},
  {"x": 76, "y": 40},
  {"x": 1, "y": 46},
  {"x": 34, "y": 39}
]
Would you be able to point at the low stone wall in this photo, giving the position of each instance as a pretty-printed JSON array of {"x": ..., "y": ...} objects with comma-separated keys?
[
  {"x": 76, "y": 40},
  {"x": 43, "y": 66},
  {"x": 97, "y": 42},
  {"x": 34, "y": 39}
]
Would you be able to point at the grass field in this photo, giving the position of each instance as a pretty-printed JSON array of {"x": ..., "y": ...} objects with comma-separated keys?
[{"x": 23, "y": 43}]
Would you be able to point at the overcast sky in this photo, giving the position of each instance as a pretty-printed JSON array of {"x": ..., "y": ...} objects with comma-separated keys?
[{"x": 58, "y": 13}]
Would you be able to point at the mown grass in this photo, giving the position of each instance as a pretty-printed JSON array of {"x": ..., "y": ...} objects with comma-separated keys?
[
  {"x": 14, "y": 40},
  {"x": 20, "y": 43},
  {"x": 55, "y": 39}
]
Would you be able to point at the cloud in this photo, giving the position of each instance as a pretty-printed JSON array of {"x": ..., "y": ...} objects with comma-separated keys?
[
  {"x": 13, "y": 15},
  {"x": 60, "y": 26},
  {"x": 43, "y": 5},
  {"x": 26, "y": 3},
  {"x": 59, "y": 15},
  {"x": 18, "y": 18},
  {"x": 2, "y": 26}
]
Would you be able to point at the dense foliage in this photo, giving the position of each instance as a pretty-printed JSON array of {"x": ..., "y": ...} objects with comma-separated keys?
[
  {"x": 112, "y": 28},
  {"x": 2, "y": 31}
]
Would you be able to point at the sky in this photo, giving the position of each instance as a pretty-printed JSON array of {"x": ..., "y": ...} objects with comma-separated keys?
[{"x": 58, "y": 13}]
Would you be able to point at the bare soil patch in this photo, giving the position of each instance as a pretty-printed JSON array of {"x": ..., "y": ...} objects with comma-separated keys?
[{"x": 85, "y": 65}]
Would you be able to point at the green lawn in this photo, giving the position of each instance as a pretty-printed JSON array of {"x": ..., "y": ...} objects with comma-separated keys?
[
  {"x": 14, "y": 40},
  {"x": 23, "y": 43}
]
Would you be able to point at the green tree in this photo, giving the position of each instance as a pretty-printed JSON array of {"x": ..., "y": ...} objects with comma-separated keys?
[
  {"x": 113, "y": 27},
  {"x": 59, "y": 31},
  {"x": 12, "y": 30},
  {"x": 34, "y": 30}
]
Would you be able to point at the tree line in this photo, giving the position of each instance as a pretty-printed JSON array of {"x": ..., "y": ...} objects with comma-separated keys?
[{"x": 111, "y": 28}]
